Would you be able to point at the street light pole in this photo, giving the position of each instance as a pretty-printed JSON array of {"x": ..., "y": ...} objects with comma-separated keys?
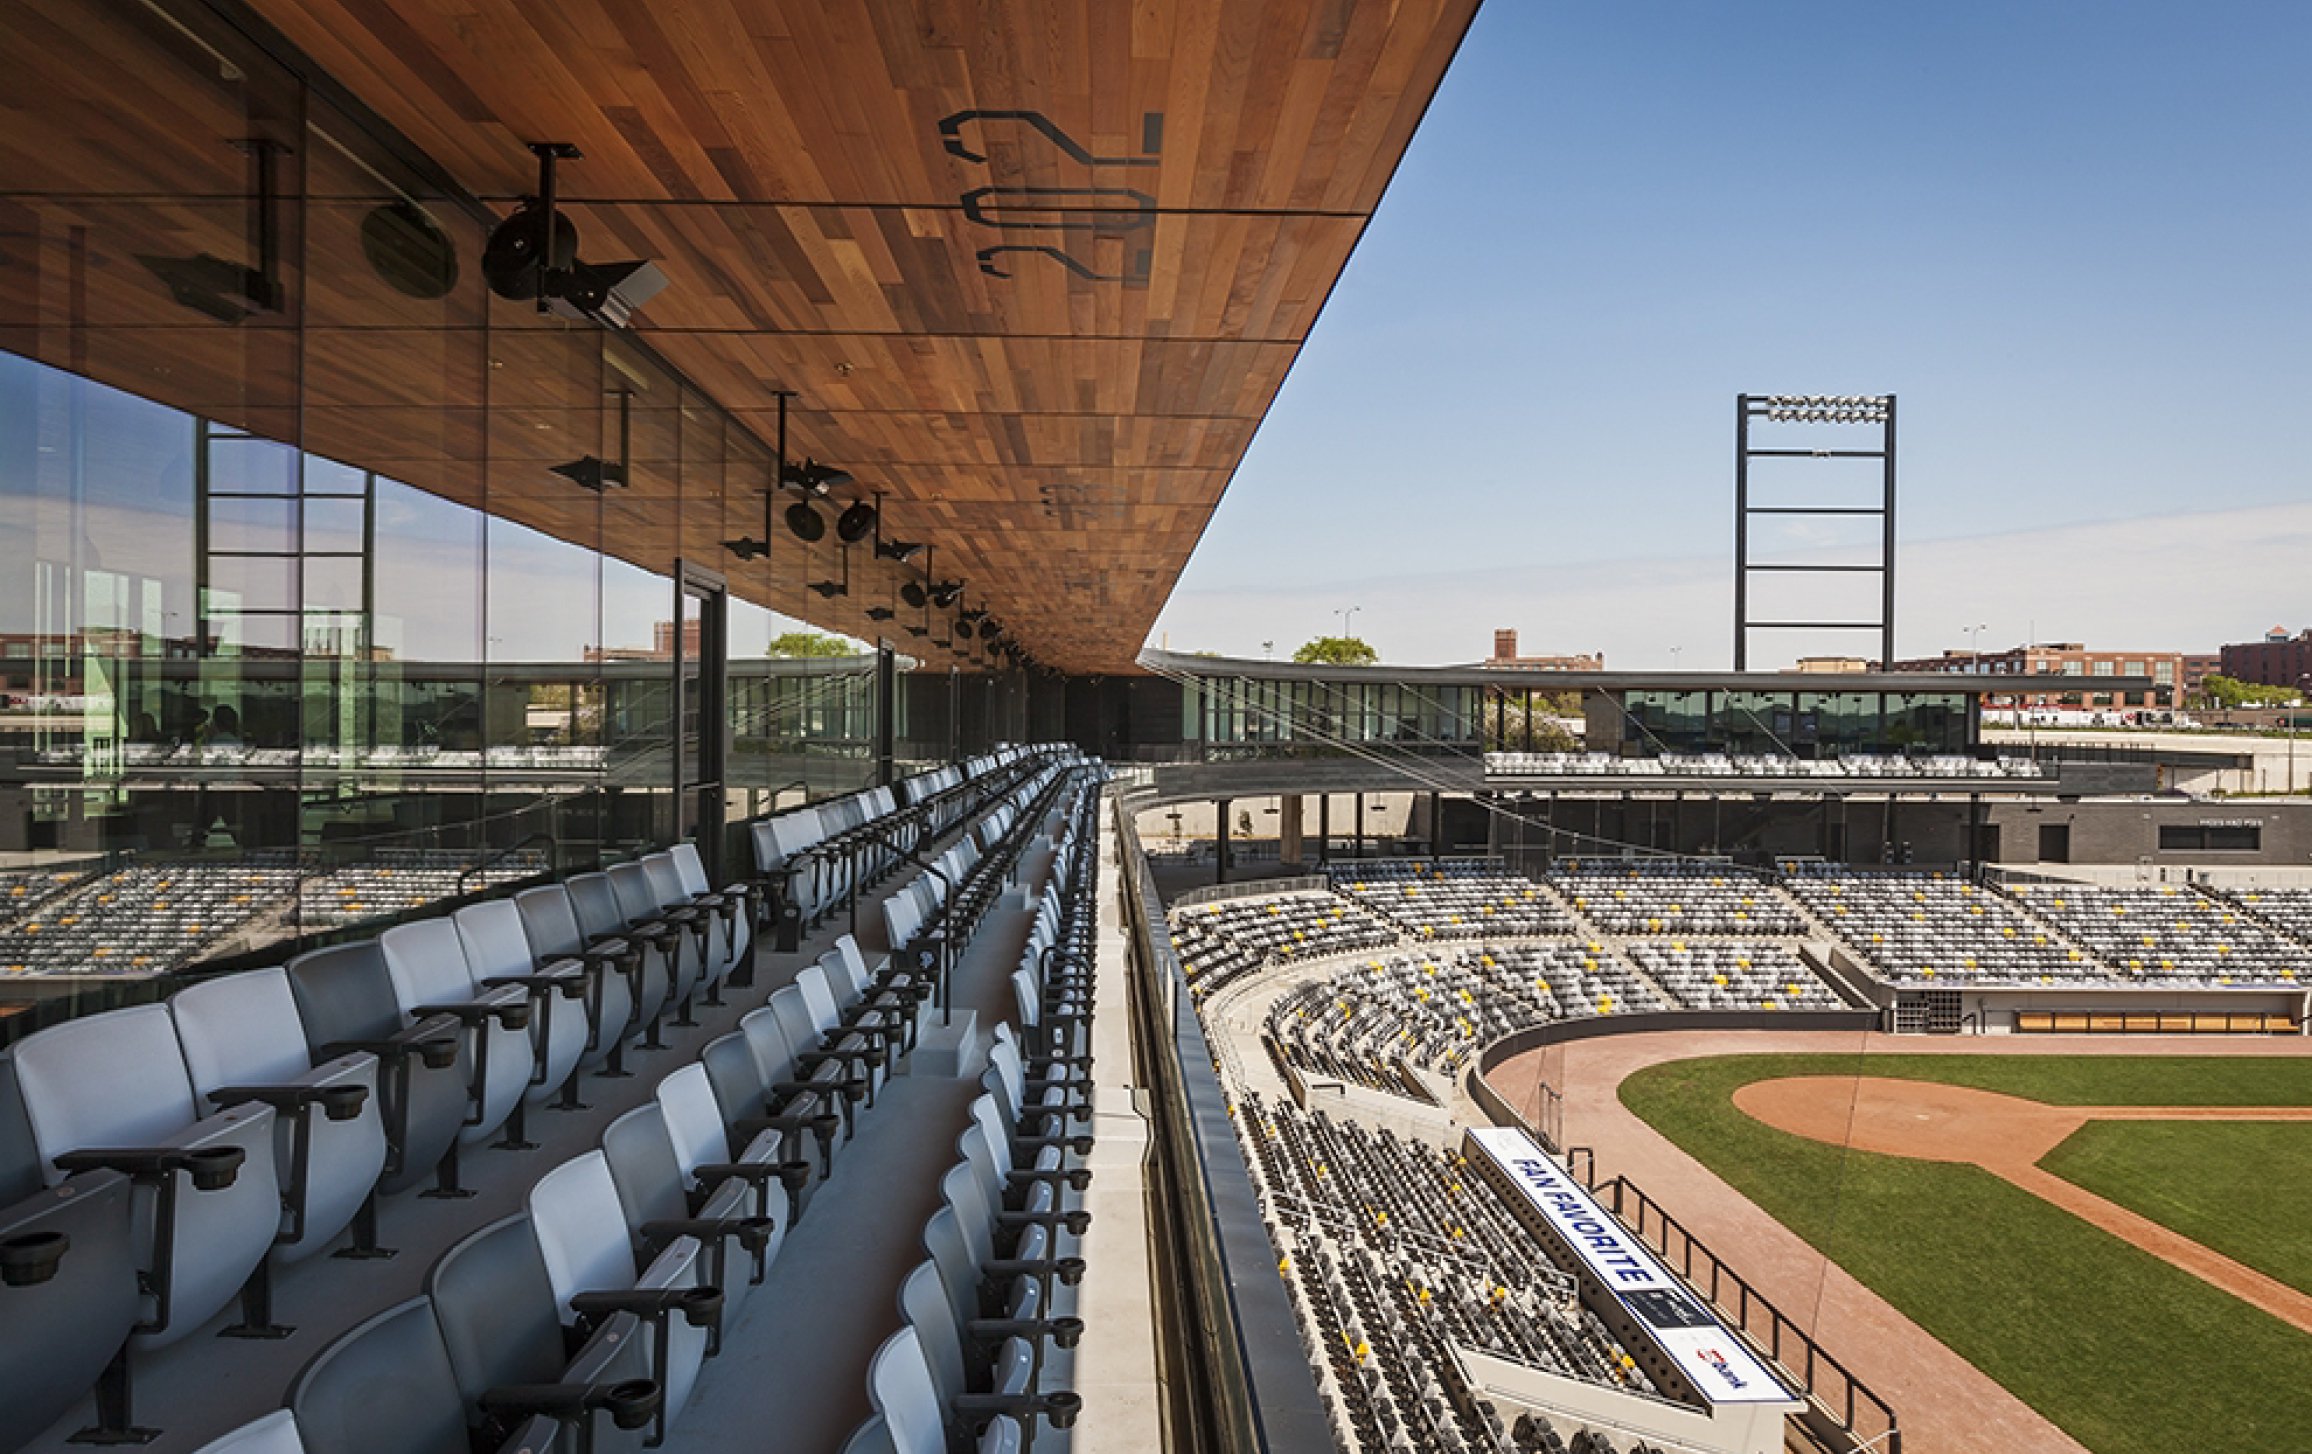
[{"x": 1347, "y": 616}]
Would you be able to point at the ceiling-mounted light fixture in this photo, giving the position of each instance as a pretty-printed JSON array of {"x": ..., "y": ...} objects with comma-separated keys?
[
  {"x": 831, "y": 589},
  {"x": 814, "y": 478},
  {"x": 914, "y": 595},
  {"x": 533, "y": 253},
  {"x": 748, "y": 547},
  {"x": 946, "y": 594},
  {"x": 900, "y": 550},
  {"x": 591, "y": 472},
  {"x": 880, "y": 613},
  {"x": 963, "y": 628}
]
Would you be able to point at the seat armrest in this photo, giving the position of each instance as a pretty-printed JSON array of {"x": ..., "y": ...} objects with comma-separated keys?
[
  {"x": 337, "y": 1102},
  {"x": 212, "y": 1168},
  {"x": 631, "y": 1403},
  {"x": 1064, "y": 1332},
  {"x": 1059, "y": 1408},
  {"x": 1078, "y": 1178},
  {"x": 1075, "y": 1221},
  {"x": 701, "y": 1307},
  {"x": 570, "y": 986},
  {"x": 753, "y": 1233},
  {"x": 1069, "y": 1270},
  {"x": 512, "y": 1014},
  {"x": 435, "y": 1050}
]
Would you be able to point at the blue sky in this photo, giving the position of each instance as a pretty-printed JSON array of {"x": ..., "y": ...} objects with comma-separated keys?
[{"x": 2074, "y": 239}]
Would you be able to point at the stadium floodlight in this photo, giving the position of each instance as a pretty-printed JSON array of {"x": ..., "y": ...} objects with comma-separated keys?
[{"x": 1823, "y": 408}]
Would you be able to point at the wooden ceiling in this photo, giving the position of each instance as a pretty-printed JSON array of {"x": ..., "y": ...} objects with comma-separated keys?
[{"x": 1034, "y": 268}]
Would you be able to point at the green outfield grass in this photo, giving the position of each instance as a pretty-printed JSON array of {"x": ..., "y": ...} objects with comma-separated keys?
[
  {"x": 2243, "y": 1188},
  {"x": 2124, "y": 1352}
]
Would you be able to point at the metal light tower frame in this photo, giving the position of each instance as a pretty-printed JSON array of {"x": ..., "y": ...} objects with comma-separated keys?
[{"x": 1850, "y": 409}]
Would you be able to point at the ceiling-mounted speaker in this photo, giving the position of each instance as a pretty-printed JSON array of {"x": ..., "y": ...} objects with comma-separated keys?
[
  {"x": 409, "y": 250},
  {"x": 806, "y": 522},
  {"x": 511, "y": 264},
  {"x": 855, "y": 523}
]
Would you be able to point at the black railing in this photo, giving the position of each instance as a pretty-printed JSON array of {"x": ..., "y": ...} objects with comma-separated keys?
[
  {"x": 1843, "y": 1412},
  {"x": 1226, "y": 1320}
]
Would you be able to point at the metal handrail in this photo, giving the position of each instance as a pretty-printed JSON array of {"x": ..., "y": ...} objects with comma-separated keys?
[
  {"x": 1830, "y": 1386},
  {"x": 1244, "y": 1385}
]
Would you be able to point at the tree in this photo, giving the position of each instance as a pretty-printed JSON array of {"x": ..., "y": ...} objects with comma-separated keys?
[
  {"x": 809, "y": 643},
  {"x": 1337, "y": 651},
  {"x": 1536, "y": 724},
  {"x": 2224, "y": 691}
]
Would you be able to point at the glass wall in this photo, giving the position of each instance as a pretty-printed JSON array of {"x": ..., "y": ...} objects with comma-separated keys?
[
  {"x": 1244, "y": 717},
  {"x": 1795, "y": 724},
  {"x": 337, "y": 585}
]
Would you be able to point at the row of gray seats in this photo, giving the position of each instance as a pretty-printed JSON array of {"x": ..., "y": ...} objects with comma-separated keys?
[
  {"x": 638, "y": 1255},
  {"x": 157, "y": 1160},
  {"x": 264, "y": 1113},
  {"x": 970, "y": 1367},
  {"x": 818, "y": 857}
]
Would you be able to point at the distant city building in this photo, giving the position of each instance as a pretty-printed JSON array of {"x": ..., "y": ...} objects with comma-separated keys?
[
  {"x": 2069, "y": 659},
  {"x": 2279, "y": 660},
  {"x": 1505, "y": 654},
  {"x": 1833, "y": 664},
  {"x": 2199, "y": 666}
]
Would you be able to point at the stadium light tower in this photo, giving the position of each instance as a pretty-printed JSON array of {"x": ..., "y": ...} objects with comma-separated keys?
[{"x": 1814, "y": 409}]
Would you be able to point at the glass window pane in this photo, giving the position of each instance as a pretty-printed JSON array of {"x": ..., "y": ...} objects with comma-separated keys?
[
  {"x": 255, "y": 582},
  {"x": 268, "y": 524},
  {"x": 335, "y": 525}
]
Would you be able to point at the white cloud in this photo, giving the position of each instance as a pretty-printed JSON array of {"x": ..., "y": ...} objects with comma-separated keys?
[{"x": 2184, "y": 582}]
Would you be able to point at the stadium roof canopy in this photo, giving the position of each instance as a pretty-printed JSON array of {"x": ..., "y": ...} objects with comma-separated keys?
[{"x": 1036, "y": 268}]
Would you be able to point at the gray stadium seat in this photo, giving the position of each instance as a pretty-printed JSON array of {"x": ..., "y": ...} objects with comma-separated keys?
[
  {"x": 899, "y": 1384},
  {"x": 711, "y": 916},
  {"x": 595, "y": 898},
  {"x": 581, "y": 1231},
  {"x": 426, "y": 964},
  {"x": 754, "y": 1082},
  {"x": 68, "y": 1281},
  {"x": 561, "y": 993},
  {"x": 618, "y": 986},
  {"x": 346, "y": 1002},
  {"x": 660, "y": 1206},
  {"x": 1000, "y": 1378},
  {"x": 242, "y": 1039},
  {"x": 388, "y": 1387},
  {"x": 276, "y": 1433},
  {"x": 111, "y": 1092},
  {"x": 680, "y": 940},
  {"x": 739, "y": 903},
  {"x": 499, "y": 1325}
]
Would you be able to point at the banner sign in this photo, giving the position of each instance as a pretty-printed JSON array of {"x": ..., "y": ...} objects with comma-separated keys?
[{"x": 1687, "y": 1332}]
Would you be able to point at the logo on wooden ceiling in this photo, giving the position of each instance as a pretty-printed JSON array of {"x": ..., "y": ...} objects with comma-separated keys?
[
  {"x": 1079, "y": 215},
  {"x": 1077, "y": 504}
]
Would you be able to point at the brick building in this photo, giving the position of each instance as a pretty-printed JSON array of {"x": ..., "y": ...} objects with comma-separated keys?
[
  {"x": 1505, "y": 654},
  {"x": 2165, "y": 669},
  {"x": 2279, "y": 660}
]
